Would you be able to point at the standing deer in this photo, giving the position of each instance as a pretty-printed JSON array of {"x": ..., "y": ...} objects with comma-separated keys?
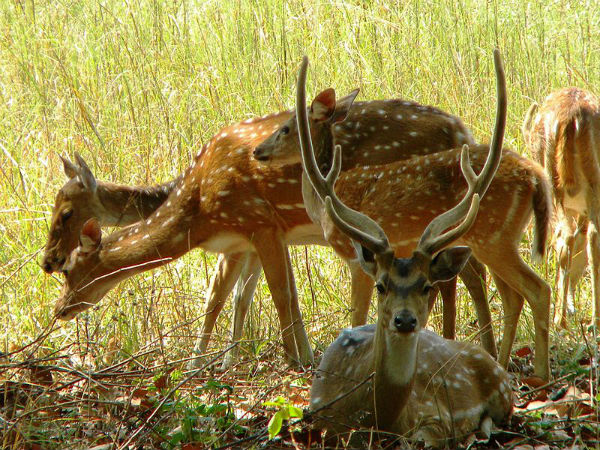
[
  {"x": 563, "y": 135},
  {"x": 282, "y": 147},
  {"x": 413, "y": 381},
  {"x": 403, "y": 197},
  {"x": 84, "y": 197}
]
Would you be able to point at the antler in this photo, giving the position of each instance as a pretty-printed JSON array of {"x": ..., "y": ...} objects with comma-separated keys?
[
  {"x": 365, "y": 230},
  {"x": 432, "y": 240},
  {"x": 357, "y": 226}
]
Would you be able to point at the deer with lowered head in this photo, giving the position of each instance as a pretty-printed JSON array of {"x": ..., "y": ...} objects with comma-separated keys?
[
  {"x": 203, "y": 203},
  {"x": 404, "y": 196},
  {"x": 396, "y": 376},
  {"x": 563, "y": 134},
  {"x": 282, "y": 147}
]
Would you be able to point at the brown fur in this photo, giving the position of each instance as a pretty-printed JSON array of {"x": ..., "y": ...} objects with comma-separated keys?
[
  {"x": 227, "y": 192},
  {"x": 567, "y": 127}
]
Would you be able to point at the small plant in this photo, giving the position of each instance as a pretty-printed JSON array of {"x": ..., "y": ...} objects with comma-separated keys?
[
  {"x": 286, "y": 411},
  {"x": 204, "y": 415}
]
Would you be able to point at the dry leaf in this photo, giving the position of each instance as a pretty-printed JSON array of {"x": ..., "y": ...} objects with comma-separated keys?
[
  {"x": 534, "y": 382},
  {"x": 523, "y": 352}
]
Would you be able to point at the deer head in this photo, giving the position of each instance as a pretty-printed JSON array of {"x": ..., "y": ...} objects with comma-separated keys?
[
  {"x": 403, "y": 284},
  {"x": 282, "y": 147},
  {"x": 75, "y": 203}
]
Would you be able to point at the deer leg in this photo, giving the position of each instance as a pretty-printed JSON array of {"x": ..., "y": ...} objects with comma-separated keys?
[
  {"x": 277, "y": 267},
  {"x": 362, "y": 290},
  {"x": 594, "y": 255},
  {"x": 448, "y": 293},
  {"x": 512, "y": 304},
  {"x": 524, "y": 282},
  {"x": 473, "y": 276},
  {"x": 242, "y": 299},
  {"x": 564, "y": 250},
  {"x": 579, "y": 262},
  {"x": 227, "y": 271}
]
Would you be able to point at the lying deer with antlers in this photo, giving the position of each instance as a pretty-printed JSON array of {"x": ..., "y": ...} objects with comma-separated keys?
[
  {"x": 562, "y": 135},
  {"x": 423, "y": 386},
  {"x": 407, "y": 129},
  {"x": 404, "y": 196}
]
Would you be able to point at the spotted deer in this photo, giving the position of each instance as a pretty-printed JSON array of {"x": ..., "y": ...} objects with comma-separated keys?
[
  {"x": 84, "y": 197},
  {"x": 404, "y": 196},
  {"x": 563, "y": 135},
  {"x": 395, "y": 376},
  {"x": 282, "y": 147}
]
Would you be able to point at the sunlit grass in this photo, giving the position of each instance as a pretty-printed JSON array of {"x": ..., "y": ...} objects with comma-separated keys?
[{"x": 136, "y": 87}]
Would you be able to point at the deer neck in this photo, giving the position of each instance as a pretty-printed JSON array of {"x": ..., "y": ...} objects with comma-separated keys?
[
  {"x": 165, "y": 235},
  {"x": 395, "y": 365},
  {"x": 323, "y": 140},
  {"x": 125, "y": 205}
]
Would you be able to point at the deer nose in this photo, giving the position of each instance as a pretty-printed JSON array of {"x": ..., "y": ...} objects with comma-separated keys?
[
  {"x": 405, "y": 322},
  {"x": 259, "y": 154},
  {"x": 47, "y": 267},
  {"x": 51, "y": 264}
]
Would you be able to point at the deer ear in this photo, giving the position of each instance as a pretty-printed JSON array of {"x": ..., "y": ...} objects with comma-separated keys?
[
  {"x": 528, "y": 120},
  {"x": 91, "y": 236},
  {"x": 70, "y": 169},
  {"x": 366, "y": 259},
  {"x": 343, "y": 106},
  {"x": 323, "y": 106},
  {"x": 448, "y": 263},
  {"x": 85, "y": 174}
]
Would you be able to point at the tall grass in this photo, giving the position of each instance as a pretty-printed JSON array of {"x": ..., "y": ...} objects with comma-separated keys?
[{"x": 137, "y": 86}]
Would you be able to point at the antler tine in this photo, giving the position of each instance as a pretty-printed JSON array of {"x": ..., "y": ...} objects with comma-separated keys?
[
  {"x": 493, "y": 161},
  {"x": 358, "y": 226},
  {"x": 306, "y": 147},
  {"x": 377, "y": 246},
  {"x": 430, "y": 242},
  {"x": 452, "y": 216},
  {"x": 336, "y": 167}
]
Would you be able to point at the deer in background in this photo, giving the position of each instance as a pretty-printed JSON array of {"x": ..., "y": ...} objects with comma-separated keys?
[
  {"x": 404, "y": 196},
  {"x": 282, "y": 147},
  {"x": 413, "y": 382},
  {"x": 563, "y": 134},
  {"x": 413, "y": 129}
]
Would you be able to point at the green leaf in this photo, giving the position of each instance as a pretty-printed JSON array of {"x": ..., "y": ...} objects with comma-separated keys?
[
  {"x": 275, "y": 424},
  {"x": 295, "y": 412}
]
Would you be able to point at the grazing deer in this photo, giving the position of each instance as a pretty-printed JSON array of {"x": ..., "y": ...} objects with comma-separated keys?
[
  {"x": 282, "y": 147},
  {"x": 84, "y": 197},
  {"x": 404, "y": 196},
  {"x": 395, "y": 376},
  {"x": 563, "y": 135}
]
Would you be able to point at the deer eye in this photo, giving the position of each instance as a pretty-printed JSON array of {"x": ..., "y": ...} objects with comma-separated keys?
[
  {"x": 66, "y": 214},
  {"x": 285, "y": 130},
  {"x": 380, "y": 288}
]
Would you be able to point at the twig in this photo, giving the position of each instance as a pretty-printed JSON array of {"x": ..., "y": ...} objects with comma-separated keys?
[
  {"x": 171, "y": 392},
  {"x": 309, "y": 414},
  {"x": 547, "y": 385}
]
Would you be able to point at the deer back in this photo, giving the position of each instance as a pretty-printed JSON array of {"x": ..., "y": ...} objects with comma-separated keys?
[{"x": 561, "y": 134}]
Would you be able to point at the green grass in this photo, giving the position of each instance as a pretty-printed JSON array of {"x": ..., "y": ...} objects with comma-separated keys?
[{"x": 136, "y": 87}]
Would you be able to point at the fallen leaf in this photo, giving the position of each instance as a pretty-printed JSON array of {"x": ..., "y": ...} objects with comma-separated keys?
[
  {"x": 523, "y": 352},
  {"x": 41, "y": 375},
  {"x": 534, "y": 382}
]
